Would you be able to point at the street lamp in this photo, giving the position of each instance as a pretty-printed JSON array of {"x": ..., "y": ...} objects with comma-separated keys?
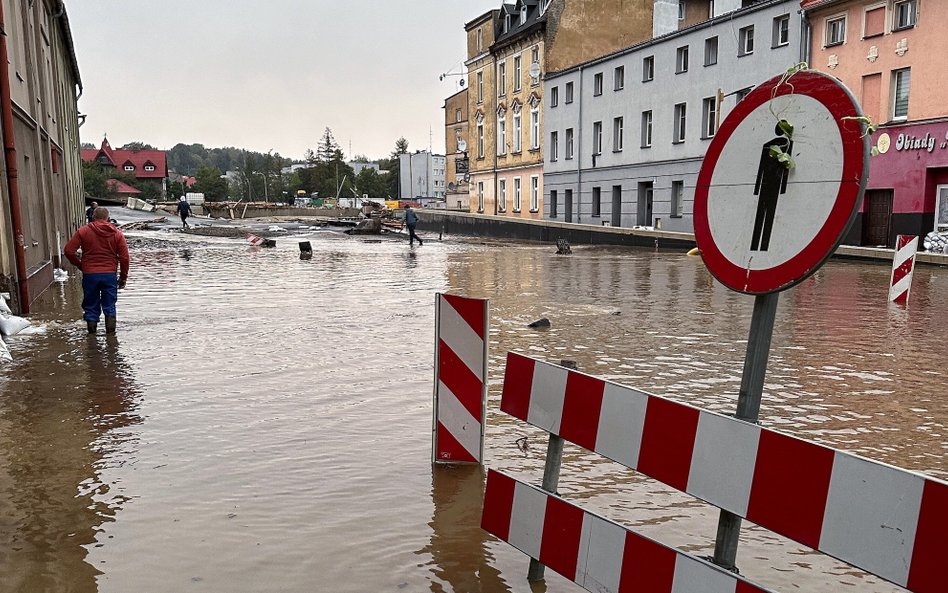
[{"x": 266, "y": 194}]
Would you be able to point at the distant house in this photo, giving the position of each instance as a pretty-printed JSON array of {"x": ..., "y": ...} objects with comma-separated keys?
[
  {"x": 121, "y": 189},
  {"x": 145, "y": 165}
]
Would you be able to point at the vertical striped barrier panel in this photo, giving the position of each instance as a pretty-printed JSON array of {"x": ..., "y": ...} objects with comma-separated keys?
[
  {"x": 887, "y": 521},
  {"x": 460, "y": 384},
  {"x": 903, "y": 265},
  {"x": 597, "y": 554}
]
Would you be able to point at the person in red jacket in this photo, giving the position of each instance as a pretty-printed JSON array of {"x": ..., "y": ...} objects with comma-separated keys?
[{"x": 104, "y": 264}]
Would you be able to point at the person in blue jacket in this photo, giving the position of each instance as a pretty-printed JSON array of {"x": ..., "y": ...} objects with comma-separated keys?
[
  {"x": 411, "y": 220},
  {"x": 184, "y": 210}
]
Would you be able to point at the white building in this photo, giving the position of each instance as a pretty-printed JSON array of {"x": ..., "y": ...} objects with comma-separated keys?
[{"x": 422, "y": 175}]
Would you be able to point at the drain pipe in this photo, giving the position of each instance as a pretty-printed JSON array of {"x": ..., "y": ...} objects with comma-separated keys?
[{"x": 13, "y": 183}]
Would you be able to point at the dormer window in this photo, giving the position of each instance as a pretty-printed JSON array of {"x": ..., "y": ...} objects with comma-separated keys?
[
  {"x": 149, "y": 167},
  {"x": 523, "y": 14},
  {"x": 506, "y": 23},
  {"x": 129, "y": 167},
  {"x": 544, "y": 4}
]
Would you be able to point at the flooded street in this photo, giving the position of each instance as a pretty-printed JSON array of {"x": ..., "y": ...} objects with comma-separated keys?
[{"x": 263, "y": 423}]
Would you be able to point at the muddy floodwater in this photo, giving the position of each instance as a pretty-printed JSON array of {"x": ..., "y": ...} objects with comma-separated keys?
[{"x": 263, "y": 423}]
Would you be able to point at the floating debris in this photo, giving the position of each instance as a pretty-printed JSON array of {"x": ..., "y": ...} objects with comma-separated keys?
[
  {"x": 60, "y": 275},
  {"x": 544, "y": 322},
  {"x": 562, "y": 247}
]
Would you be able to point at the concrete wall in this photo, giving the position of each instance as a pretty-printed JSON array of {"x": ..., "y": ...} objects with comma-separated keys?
[{"x": 633, "y": 166}]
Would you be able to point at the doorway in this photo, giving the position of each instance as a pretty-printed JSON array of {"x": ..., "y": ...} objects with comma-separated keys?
[
  {"x": 877, "y": 217},
  {"x": 568, "y": 206},
  {"x": 616, "y": 205},
  {"x": 644, "y": 213}
]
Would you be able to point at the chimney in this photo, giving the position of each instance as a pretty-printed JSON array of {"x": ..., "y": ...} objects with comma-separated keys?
[
  {"x": 725, "y": 6},
  {"x": 664, "y": 17}
]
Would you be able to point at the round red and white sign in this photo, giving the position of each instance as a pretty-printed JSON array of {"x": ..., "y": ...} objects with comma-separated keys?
[{"x": 763, "y": 224}]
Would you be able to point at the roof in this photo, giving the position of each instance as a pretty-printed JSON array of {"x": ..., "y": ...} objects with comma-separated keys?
[
  {"x": 482, "y": 18},
  {"x": 120, "y": 187},
  {"x": 806, "y": 4},
  {"x": 535, "y": 20},
  {"x": 139, "y": 159}
]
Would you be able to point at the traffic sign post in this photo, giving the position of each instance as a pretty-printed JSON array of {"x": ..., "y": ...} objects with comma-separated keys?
[{"x": 779, "y": 186}]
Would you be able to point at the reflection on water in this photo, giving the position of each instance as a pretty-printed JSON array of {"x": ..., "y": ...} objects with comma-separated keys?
[{"x": 263, "y": 422}]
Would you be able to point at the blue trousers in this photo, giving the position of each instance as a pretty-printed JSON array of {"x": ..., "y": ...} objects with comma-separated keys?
[{"x": 99, "y": 294}]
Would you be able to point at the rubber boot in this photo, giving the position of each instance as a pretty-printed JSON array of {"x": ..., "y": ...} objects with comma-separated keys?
[
  {"x": 109, "y": 324},
  {"x": 91, "y": 326}
]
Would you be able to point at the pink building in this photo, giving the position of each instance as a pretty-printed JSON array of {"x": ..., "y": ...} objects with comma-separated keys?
[{"x": 890, "y": 53}]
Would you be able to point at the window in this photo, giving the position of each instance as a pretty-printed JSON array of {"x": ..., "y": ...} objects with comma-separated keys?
[
  {"x": 554, "y": 146},
  {"x": 709, "y": 113},
  {"x": 617, "y": 134},
  {"x": 480, "y": 140},
  {"x": 517, "y": 132},
  {"x": 646, "y": 129},
  {"x": 480, "y": 196},
  {"x": 597, "y": 201},
  {"x": 569, "y": 143},
  {"x": 501, "y": 195},
  {"x": 457, "y": 115},
  {"x": 597, "y": 84},
  {"x": 501, "y": 135},
  {"x": 517, "y": 74},
  {"x": 535, "y": 128},
  {"x": 554, "y": 96},
  {"x": 506, "y": 23},
  {"x": 501, "y": 79},
  {"x": 149, "y": 167},
  {"x": 781, "y": 31},
  {"x": 480, "y": 39},
  {"x": 904, "y": 14},
  {"x": 678, "y": 199},
  {"x": 535, "y": 54},
  {"x": 745, "y": 40},
  {"x": 523, "y": 14},
  {"x": 648, "y": 68},
  {"x": 129, "y": 167},
  {"x": 681, "y": 10},
  {"x": 681, "y": 115},
  {"x": 711, "y": 51},
  {"x": 874, "y": 21},
  {"x": 835, "y": 30},
  {"x": 553, "y": 203},
  {"x": 597, "y": 137},
  {"x": 480, "y": 87},
  {"x": 681, "y": 60},
  {"x": 516, "y": 194},
  {"x": 739, "y": 95},
  {"x": 900, "y": 93},
  {"x": 569, "y": 92},
  {"x": 534, "y": 193},
  {"x": 618, "y": 78}
]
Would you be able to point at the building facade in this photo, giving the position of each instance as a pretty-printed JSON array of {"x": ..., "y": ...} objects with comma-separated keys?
[
  {"x": 457, "y": 193},
  {"x": 626, "y": 133},
  {"x": 421, "y": 175},
  {"x": 887, "y": 52},
  {"x": 41, "y": 197},
  {"x": 147, "y": 166}
]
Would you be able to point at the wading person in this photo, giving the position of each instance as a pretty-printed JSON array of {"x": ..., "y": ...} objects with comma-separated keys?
[
  {"x": 411, "y": 220},
  {"x": 91, "y": 210},
  {"x": 103, "y": 261},
  {"x": 184, "y": 210}
]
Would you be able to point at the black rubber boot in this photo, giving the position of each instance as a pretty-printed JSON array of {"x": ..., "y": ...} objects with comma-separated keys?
[
  {"x": 91, "y": 325},
  {"x": 109, "y": 324}
]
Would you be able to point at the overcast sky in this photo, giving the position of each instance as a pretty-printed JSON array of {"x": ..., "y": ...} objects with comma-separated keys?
[{"x": 269, "y": 74}]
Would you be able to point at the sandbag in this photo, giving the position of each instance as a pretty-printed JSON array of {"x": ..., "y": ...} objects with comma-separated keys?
[
  {"x": 4, "y": 307},
  {"x": 11, "y": 325},
  {"x": 5, "y": 352}
]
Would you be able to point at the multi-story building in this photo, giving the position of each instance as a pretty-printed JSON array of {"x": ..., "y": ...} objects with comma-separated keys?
[
  {"x": 457, "y": 194},
  {"x": 888, "y": 53},
  {"x": 626, "y": 133},
  {"x": 41, "y": 197},
  {"x": 509, "y": 50},
  {"x": 421, "y": 175}
]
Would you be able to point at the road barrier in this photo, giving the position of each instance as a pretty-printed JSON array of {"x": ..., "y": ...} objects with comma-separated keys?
[
  {"x": 884, "y": 520},
  {"x": 903, "y": 265},
  {"x": 460, "y": 384}
]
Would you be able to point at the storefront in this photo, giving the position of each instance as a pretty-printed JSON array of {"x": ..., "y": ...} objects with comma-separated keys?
[{"x": 908, "y": 184}]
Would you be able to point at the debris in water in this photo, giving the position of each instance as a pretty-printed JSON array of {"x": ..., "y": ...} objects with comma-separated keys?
[
  {"x": 60, "y": 275},
  {"x": 562, "y": 247},
  {"x": 540, "y": 323}
]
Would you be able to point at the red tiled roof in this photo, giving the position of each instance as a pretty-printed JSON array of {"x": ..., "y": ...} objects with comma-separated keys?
[
  {"x": 137, "y": 158},
  {"x": 120, "y": 187}
]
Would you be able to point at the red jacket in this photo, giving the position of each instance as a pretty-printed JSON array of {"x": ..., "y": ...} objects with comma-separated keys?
[{"x": 103, "y": 249}]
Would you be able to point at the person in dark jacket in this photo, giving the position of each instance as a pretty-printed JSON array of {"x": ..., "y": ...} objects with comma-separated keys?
[
  {"x": 184, "y": 210},
  {"x": 104, "y": 264},
  {"x": 411, "y": 220},
  {"x": 91, "y": 210}
]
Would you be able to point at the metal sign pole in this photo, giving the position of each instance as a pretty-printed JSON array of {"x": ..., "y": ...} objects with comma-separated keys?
[{"x": 748, "y": 409}]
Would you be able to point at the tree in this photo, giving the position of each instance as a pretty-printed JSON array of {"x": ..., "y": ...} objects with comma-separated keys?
[
  {"x": 327, "y": 147},
  {"x": 394, "y": 165},
  {"x": 368, "y": 181},
  {"x": 138, "y": 146},
  {"x": 208, "y": 181}
]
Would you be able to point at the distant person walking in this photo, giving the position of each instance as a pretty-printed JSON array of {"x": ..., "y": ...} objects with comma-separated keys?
[
  {"x": 91, "y": 210},
  {"x": 104, "y": 264},
  {"x": 411, "y": 220},
  {"x": 184, "y": 210}
]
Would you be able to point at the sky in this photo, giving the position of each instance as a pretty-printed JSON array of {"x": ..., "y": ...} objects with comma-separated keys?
[{"x": 270, "y": 74}]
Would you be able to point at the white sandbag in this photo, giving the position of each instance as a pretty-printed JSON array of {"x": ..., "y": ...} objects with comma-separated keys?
[
  {"x": 60, "y": 275},
  {"x": 5, "y": 352},
  {"x": 4, "y": 307},
  {"x": 12, "y": 325},
  {"x": 33, "y": 330}
]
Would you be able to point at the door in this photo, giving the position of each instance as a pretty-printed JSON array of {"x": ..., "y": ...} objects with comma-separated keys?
[
  {"x": 644, "y": 213},
  {"x": 616, "y": 205},
  {"x": 941, "y": 208},
  {"x": 568, "y": 206},
  {"x": 877, "y": 217}
]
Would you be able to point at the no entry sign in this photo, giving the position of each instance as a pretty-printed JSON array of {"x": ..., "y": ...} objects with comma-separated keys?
[{"x": 762, "y": 223}]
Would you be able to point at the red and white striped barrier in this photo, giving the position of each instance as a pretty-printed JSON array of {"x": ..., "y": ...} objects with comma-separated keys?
[
  {"x": 254, "y": 239},
  {"x": 460, "y": 392},
  {"x": 903, "y": 265},
  {"x": 887, "y": 521},
  {"x": 593, "y": 552}
]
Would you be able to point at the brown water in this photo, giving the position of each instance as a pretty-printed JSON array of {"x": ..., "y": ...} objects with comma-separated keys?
[{"x": 263, "y": 423}]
